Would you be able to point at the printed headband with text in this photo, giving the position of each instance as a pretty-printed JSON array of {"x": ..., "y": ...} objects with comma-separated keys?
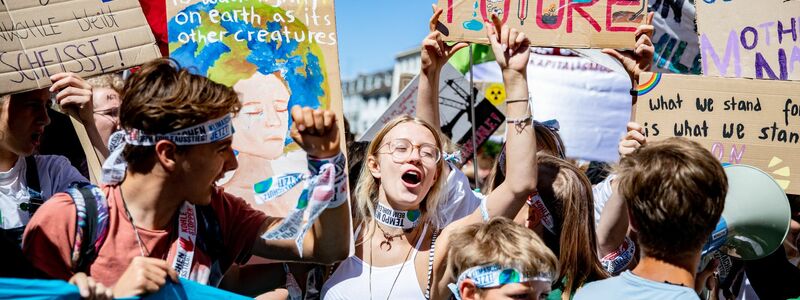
[
  {"x": 493, "y": 275},
  {"x": 209, "y": 132}
]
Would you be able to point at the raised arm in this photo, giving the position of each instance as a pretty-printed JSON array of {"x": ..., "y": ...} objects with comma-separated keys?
[
  {"x": 512, "y": 51},
  {"x": 435, "y": 54},
  {"x": 317, "y": 133},
  {"x": 638, "y": 60}
]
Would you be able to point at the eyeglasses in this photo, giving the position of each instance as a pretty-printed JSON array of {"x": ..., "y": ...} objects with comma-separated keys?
[{"x": 401, "y": 149}]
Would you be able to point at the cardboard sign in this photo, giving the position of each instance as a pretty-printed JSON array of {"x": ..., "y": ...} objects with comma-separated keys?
[
  {"x": 454, "y": 110},
  {"x": 741, "y": 121},
  {"x": 752, "y": 39},
  {"x": 39, "y": 38},
  {"x": 555, "y": 23},
  {"x": 275, "y": 54},
  {"x": 677, "y": 47}
]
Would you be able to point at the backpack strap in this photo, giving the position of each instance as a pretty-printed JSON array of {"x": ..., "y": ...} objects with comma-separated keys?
[
  {"x": 91, "y": 224},
  {"x": 33, "y": 185},
  {"x": 32, "y": 173}
]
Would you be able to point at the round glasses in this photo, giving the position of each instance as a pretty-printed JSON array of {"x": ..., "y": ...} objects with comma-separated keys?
[{"x": 401, "y": 149}]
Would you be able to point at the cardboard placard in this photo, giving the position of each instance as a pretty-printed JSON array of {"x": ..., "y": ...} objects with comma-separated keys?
[
  {"x": 39, "y": 38},
  {"x": 551, "y": 23},
  {"x": 751, "y": 39},
  {"x": 753, "y": 122},
  {"x": 275, "y": 54},
  {"x": 454, "y": 111}
]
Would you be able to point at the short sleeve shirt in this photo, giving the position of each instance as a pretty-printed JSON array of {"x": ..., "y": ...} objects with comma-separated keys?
[
  {"x": 629, "y": 286},
  {"x": 50, "y": 235}
]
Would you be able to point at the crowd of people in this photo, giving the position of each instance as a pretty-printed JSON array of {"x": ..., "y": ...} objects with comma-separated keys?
[{"x": 409, "y": 227}]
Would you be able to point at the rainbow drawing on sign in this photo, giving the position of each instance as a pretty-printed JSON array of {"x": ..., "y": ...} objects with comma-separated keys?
[{"x": 649, "y": 85}]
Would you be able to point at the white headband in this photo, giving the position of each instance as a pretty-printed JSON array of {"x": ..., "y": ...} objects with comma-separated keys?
[
  {"x": 494, "y": 275},
  {"x": 209, "y": 132}
]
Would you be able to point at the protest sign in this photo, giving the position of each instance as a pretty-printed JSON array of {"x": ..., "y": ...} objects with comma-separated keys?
[
  {"x": 575, "y": 90},
  {"x": 555, "y": 23},
  {"x": 677, "y": 47},
  {"x": 454, "y": 111},
  {"x": 276, "y": 54},
  {"x": 741, "y": 121},
  {"x": 43, "y": 37},
  {"x": 751, "y": 39}
]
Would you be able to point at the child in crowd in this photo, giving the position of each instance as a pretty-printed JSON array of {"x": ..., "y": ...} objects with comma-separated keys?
[
  {"x": 499, "y": 259},
  {"x": 675, "y": 192}
]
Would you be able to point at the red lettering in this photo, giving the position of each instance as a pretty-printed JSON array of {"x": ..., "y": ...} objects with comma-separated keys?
[
  {"x": 610, "y": 17},
  {"x": 552, "y": 18},
  {"x": 579, "y": 7},
  {"x": 449, "y": 11}
]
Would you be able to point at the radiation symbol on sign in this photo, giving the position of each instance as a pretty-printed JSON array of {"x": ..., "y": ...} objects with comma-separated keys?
[
  {"x": 496, "y": 94},
  {"x": 780, "y": 174}
]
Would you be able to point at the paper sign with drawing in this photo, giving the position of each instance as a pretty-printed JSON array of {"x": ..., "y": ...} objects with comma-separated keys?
[{"x": 275, "y": 54}]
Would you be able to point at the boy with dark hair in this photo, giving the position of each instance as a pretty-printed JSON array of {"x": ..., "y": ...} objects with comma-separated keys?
[
  {"x": 675, "y": 190},
  {"x": 165, "y": 216}
]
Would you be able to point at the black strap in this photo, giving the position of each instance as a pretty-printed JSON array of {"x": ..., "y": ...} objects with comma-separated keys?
[
  {"x": 88, "y": 252},
  {"x": 33, "y": 185},
  {"x": 32, "y": 173}
]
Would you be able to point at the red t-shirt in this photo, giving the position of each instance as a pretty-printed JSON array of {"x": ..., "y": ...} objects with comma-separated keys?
[{"x": 50, "y": 235}]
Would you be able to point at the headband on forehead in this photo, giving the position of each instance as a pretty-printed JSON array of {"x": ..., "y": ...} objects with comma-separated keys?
[
  {"x": 205, "y": 133},
  {"x": 209, "y": 132},
  {"x": 494, "y": 275}
]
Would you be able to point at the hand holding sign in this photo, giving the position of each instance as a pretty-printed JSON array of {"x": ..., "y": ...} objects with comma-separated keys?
[
  {"x": 641, "y": 58},
  {"x": 315, "y": 131},
  {"x": 73, "y": 91},
  {"x": 633, "y": 140},
  {"x": 435, "y": 52},
  {"x": 510, "y": 46}
]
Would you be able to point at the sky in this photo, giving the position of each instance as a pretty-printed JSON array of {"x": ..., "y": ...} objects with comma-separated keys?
[{"x": 372, "y": 32}]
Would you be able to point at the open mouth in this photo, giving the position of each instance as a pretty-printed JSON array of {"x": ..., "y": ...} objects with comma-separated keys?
[
  {"x": 411, "y": 178},
  {"x": 36, "y": 138}
]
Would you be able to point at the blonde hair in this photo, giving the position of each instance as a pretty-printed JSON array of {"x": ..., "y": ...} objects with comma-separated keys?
[
  {"x": 366, "y": 195},
  {"x": 499, "y": 241},
  {"x": 110, "y": 80}
]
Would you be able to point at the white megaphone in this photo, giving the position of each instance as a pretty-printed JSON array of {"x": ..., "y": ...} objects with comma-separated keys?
[{"x": 756, "y": 217}]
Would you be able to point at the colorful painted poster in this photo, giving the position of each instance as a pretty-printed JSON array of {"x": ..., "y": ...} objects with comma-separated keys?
[
  {"x": 677, "y": 47},
  {"x": 39, "y": 38},
  {"x": 750, "y": 39},
  {"x": 552, "y": 23},
  {"x": 741, "y": 121},
  {"x": 276, "y": 54}
]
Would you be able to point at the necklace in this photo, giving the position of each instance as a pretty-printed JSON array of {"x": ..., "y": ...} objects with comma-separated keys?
[
  {"x": 142, "y": 248},
  {"x": 398, "y": 273},
  {"x": 388, "y": 238}
]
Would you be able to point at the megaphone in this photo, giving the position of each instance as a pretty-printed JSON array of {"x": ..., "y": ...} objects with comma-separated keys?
[{"x": 756, "y": 217}]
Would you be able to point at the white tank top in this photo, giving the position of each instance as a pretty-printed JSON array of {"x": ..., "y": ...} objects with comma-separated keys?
[{"x": 352, "y": 280}]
